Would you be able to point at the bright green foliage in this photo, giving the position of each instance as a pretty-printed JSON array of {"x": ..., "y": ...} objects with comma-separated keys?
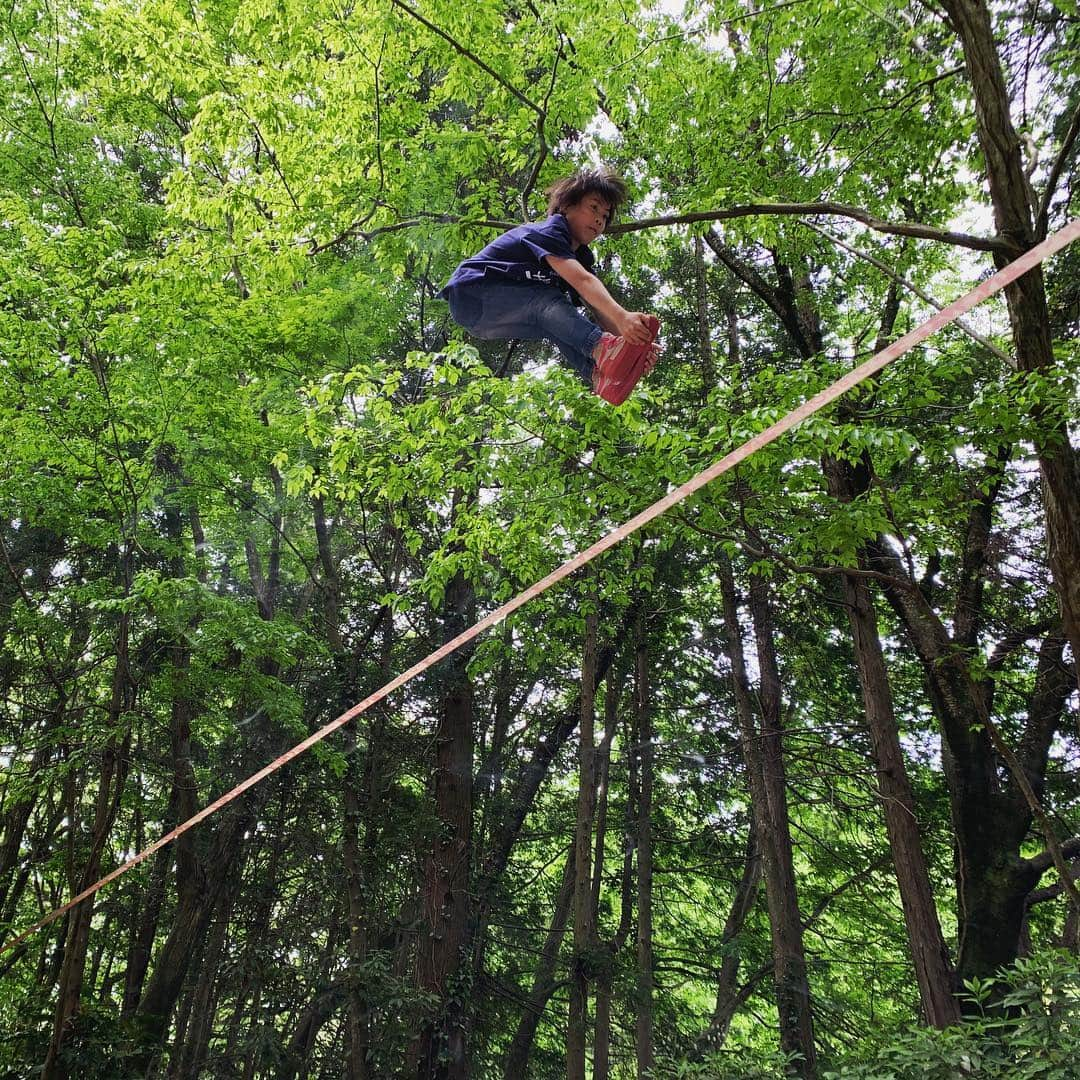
[{"x": 248, "y": 456}]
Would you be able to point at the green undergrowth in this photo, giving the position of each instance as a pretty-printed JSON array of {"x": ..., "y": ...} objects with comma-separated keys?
[{"x": 1023, "y": 1024}]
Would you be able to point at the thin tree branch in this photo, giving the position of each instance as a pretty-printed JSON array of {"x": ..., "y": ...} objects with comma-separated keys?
[
  {"x": 767, "y": 293},
  {"x": 1056, "y": 170},
  {"x": 1014, "y": 640},
  {"x": 902, "y": 281},
  {"x": 1055, "y": 852},
  {"x": 356, "y": 230},
  {"x": 541, "y": 133},
  {"x": 273, "y": 159},
  {"x": 469, "y": 55}
]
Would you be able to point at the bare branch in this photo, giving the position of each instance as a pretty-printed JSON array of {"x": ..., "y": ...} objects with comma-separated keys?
[
  {"x": 827, "y": 209},
  {"x": 925, "y": 232}
]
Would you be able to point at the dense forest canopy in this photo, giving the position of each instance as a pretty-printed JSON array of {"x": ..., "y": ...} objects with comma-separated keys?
[{"x": 786, "y": 784}]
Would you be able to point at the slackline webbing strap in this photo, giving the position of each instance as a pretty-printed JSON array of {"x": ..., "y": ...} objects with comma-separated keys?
[{"x": 983, "y": 291}]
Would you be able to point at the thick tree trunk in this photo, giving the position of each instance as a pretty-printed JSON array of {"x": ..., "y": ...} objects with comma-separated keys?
[
  {"x": 929, "y": 954},
  {"x": 446, "y": 888},
  {"x": 990, "y": 814},
  {"x": 1012, "y": 199}
]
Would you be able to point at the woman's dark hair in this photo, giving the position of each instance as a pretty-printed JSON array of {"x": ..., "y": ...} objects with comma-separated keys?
[{"x": 572, "y": 189}]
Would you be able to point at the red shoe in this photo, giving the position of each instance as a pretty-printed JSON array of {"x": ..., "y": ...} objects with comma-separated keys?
[
  {"x": 614, "y": 361},
  {"x": 642, "y": 360}
]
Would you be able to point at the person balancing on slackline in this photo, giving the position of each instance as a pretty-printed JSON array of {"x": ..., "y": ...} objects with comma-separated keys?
[{"x": 528, "y": 283}]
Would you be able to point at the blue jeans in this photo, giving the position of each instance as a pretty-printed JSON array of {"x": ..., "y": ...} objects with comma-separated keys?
[{"x": 530, "y": 312}]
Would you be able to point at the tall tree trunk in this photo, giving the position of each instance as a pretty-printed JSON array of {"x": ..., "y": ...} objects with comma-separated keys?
[
  {"x": 144, "y": 928},
  {"x": 200, "y": 881},
  {"x": 644, "y": 1044},
  {"x": 529, "y": 780},
  {"x": 792, "y": 300},
  {"x": 357, "y": 798},
  {"x": 248, "y": 1017},
  {"x": 763, "y": 754},
  {"x": 933, "y": 968},
  {"x": 1012, "y": 199},
  {"x": 16, "y": 817},
  {"x": 357, "y": 1039},
  {"x": 792, "y": 982},
  {"x": 929, "y": 953},
  {"x": 704, "y": 323},
  {"x": 77, "y": 939},
  {"x": 489, "y": 795},
  {"x": 446, "y": 886},
  {"x": 182, "y": 802},
  {"x": 326, "y": 1002},
  {"x": 930, "y": 958},
  {"x": 584, "y": 928},
  {"x": 197, "y": 902}
]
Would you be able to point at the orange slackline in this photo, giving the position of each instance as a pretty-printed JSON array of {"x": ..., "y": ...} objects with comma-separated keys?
[{"x": 990, "y": 287}]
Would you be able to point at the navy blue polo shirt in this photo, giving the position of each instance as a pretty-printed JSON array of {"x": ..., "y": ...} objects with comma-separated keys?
[{"x": 519, "y": 255}]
